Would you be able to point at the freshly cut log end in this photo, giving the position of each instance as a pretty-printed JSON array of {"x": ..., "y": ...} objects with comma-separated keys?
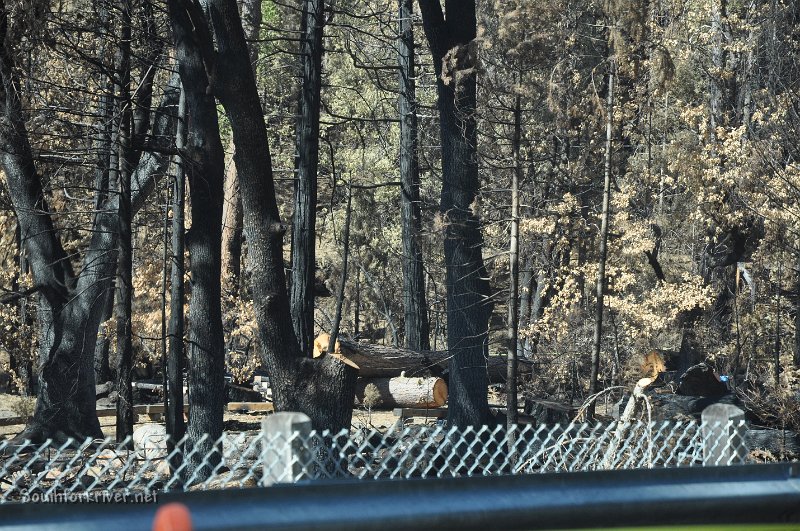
[
  {"x": 439, "y": 392},
  {"x": 404, "y": 392},
  {"x": 321, "y": 346}
]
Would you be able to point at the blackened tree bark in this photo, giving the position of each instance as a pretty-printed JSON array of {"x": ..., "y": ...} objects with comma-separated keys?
[
  {"x": 156, "y": 163},
  {"x": 176, "y": 428},
  {"x": 101, "y": 365},
  {"x": 70, "y": 306},
  {"x": 205, "y": 167},
  {"x": 145, "y": 165},
  {"x": 21, "y": 362},
  {"x": 125, "y": 254},
  {"x": 142, "y": 99},
  {"x": 513, "y": 289},
  {"x": 417, "y": 327},
  {"x": 232, "y": 209},
  {"x": 452, "y": 45},
  {"x": 322, "y": 388},
  {"x": 305, "y": 202},
  {"x": 337, "y": 319},
  {"x": 68, "y": 310}
]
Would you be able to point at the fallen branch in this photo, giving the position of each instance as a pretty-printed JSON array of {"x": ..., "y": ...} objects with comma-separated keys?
[{"x": 625, "y": 419}]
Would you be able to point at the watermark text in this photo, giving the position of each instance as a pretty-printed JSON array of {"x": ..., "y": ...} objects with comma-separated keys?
[{"x": 90, "y": 497}]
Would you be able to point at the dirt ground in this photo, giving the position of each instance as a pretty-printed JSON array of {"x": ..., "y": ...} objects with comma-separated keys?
[{"x": 382, "y": 420}]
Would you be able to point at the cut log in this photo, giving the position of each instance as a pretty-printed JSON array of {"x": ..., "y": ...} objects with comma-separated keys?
[
  {"x": 382, "y": 361},
  {"x": 414, "y": 392}
]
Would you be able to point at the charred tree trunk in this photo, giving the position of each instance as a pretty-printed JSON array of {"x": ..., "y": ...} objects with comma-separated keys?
[
  {"x": 323, "y": 389},
  {"x": 102, "y": 348},
  {"x": 150, "y": 165},
  {"x": 337, "y": 319},
  {"x": 21, "y": 362},
  {"x": 142, "y": 99},
  {"x": 176, "y": 427},
  {"x": 513, "y": 290},
  {"x": 305, "y": 203},
  {"x": 65, "y": 406},
  {"x": 232, "y": 209},
  {"x": 101, "y": 182},
  {"x": 452, "y": 41},
  {"x": 69, "y": 313},
  {"x": 417, "y": 328},
  {"x": 205, "y": 168},
  {"x": 125, "y": 242}
]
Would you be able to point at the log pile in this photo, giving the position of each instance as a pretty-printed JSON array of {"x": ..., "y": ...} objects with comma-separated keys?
[{"x": 383, "y": 361}]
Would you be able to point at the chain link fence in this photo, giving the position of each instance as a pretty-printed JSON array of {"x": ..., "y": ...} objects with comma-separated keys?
[{"x": 286, "y": 450}]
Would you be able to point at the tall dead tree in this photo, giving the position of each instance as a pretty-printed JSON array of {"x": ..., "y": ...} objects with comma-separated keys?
[
  {"x": 452, "y": 44},
  {"x": 176, "y": 427},
  {"x": 124, "y": 300},
  {"x": 600, "y": 285},
  {"x": 322, "y": 388},
  {"x": 232, "y": 209},
  {"x": 68, "y": 312},
  {"x": 104, "y": 143},
  {"x": 417, "y": 328},
  {"x": 305, "y": 201},
  {"x": 204, "y": 161},
  {"x": 513, "y": 289}
]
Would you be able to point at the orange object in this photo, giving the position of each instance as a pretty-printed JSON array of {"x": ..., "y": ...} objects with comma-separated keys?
[{"x": 173, "y": 517}]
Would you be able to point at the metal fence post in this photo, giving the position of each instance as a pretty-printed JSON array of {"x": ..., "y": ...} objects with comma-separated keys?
[
  {"x": 284, "y": 450},
  {"x": 723, "y": 435}
]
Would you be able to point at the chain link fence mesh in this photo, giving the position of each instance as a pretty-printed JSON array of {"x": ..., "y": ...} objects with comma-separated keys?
[{"x": 249, "y": 459}]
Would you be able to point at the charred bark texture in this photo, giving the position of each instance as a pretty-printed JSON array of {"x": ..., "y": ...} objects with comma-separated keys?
[
  {"x": 204, "y": 165},
  {"x": 323, "y": 389},
  {"x": 305, "y": 202},
  {"x": 232, "y": 210},
  {"x": 65, "y": 406},
  {"x": 417, "y": 327},
  {"x": 102, "y": 367},
  {"x": 125, "y": 254},
  {"x": 70, "y": 307},
  {"x": 452, "y": 45},
  {"x": 176, "y": 427}
]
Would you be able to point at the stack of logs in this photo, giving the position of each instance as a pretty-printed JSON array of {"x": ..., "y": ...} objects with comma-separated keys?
[{"x": 403, "y": 377}]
